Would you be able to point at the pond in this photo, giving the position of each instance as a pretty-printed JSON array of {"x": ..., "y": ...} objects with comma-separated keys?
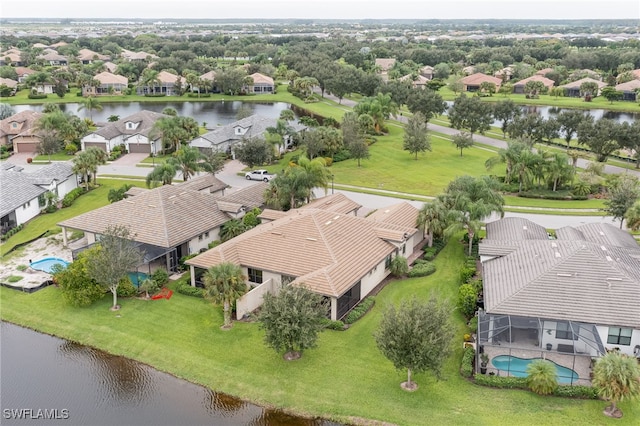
[
  {"x": 79, "y": 385},
  {"x": 213, "y": 113}
]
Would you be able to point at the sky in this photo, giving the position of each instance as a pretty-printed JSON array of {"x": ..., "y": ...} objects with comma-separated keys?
[{"x": 324, "y": 9}]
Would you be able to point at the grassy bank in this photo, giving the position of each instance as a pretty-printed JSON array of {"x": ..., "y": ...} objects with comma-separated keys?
[{"x": 345, "y": 377}]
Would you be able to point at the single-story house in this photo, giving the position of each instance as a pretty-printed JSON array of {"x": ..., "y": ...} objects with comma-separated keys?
[
  {"x": 206, "y": 184},
  {"x": 11, "y": 57},
  {"x": 11, "y": 84},
  {"x": 471, "y": 83},
  {"x": 544, "y": 71},
  {"x": 629, "y": 90},
  {"x": 573, "y": 89},
  {"x": 19, "y": 131},
  {"x": 167, "y": 222},
  {"x": 224, "y": 138},
  {"x": 22, "y": 193},
  {"x": 384, "y": 64},
  {"x": 337, "y": 255},
  {"x": 261, "y": 84},
  {"x": 132, "y": 131},
  {"x": 567, "y": 299},
  {"x": 110, "y": 66},
  {"x": 87, "y": 56},
  {"x": 166, "y": 84},
  {"x": 210, "y": 77},
  {"x": 586, "y": 73},
  {"x": 505, "y": 74},
  {"x": 141, "y": 56},
  {"x": 55, "y": 59},
  {"x": 518, "y": 87},
  {"x": 23, "y": 73},
  {"x": 419, "y": 82},
  {"x": 110, "y": 84}
]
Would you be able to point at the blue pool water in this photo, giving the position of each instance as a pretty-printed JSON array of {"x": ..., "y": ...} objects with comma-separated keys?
[
  {"x": 137, "y": 278},
  {"x": 47, "y": 263},
  {"x": 518, "y": 367}
]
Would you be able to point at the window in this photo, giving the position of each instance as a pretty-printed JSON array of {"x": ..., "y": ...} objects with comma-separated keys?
[
  {"x": 563, "y": 331},
  {"x": 206, "y": 234},
  {"x": 26, "y": 205},
  {"x": 387, "y": 262},
  {"x": 619, "y": 336},
  {"x": 200, "y": 237},
  {"x": 255, "y": 275}
]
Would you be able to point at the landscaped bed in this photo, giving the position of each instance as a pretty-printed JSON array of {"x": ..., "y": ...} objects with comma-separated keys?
[{"x": 345, "y": 377}]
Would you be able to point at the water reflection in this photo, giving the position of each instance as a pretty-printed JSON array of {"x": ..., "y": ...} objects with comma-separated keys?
[{"x": 38, "y": 371}]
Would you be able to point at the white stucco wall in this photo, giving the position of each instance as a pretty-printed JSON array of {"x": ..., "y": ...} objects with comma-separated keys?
[
  {"x": 67, "y": 186},
  {"x": 603, "y": 331},
  {"x": 196, "y": 243},
  {"x": 372, "y": 279},
  {"x": 92, "y": 137},
  {"x": 27, "y": 211},
  {"x": 137, "y": 140}
]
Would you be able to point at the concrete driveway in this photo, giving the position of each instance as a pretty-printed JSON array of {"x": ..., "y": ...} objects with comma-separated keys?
[{"x": 129, "y": 159}]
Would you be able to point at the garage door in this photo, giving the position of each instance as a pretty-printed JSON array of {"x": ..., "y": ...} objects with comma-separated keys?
[
  {"x": 101, "y": 145},
  {"x": 27, "y": 147},
  {"x": 139, "y": 148}
]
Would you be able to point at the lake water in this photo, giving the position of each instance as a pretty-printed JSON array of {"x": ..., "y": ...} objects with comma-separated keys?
[
  {"x": 79, "y": 385},
  {"x": 213, "y": 113}
]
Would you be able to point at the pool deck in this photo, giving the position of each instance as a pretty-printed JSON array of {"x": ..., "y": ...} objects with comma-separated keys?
[{"x": 581, "y": 365}]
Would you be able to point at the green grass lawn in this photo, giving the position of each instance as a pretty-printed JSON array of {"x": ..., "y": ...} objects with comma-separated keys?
[
  {"x": 47, "y": 222},
  {"x": 345, "y": 377},
  {"x": 58, "y": 156}
]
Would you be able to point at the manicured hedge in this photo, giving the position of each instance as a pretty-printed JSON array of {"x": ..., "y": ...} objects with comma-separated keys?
[
  {"x": 188, "y": 290},
  {"x": 359, "y": 311},
  {"x": 72, "y": 196},
  {"x": 466, "y": 367},
  {"x": 11, "y": 232},
  {"x": 333, "y": 325},
  {"x": 585, "y": 392},
  {"x": 421, "y": 268}
]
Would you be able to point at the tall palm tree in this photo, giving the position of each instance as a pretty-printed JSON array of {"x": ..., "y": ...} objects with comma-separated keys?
[
  {"x": 97, "y": 157},
  {"x": 187, "y": 161},
  {"x": 633, "y": 217},
  {"x": 224, "y": 283},
  {"x": 162, "y": 174},
  {"x": 91, "y": 103},
  {"x": 616, "y": 377},
  {"x": 558, "y": 169},
  {"x": 310, "y": 174},
  {"x": 82, "y": 164},
  {"x": 231, "y": 229},
  {"x": 150, "y": 79},
  {"x": 433, "y": 219}
]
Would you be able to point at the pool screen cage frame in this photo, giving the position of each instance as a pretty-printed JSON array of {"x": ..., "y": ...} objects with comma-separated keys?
[{"x": 494, "y": 329}]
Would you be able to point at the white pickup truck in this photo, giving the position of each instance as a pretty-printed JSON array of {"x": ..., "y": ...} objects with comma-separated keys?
[{"x": 262, "y": 175}]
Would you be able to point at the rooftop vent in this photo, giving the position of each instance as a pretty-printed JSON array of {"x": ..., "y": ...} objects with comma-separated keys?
[
  {"x": 603, "y": 248},
  {"x": 602, "y": 233},
  {"x": 276, "y": 233},
  {"x": 554, "y": 245},
  {"x": 336, "y": 217},
  {"x": 614, "y": 279},
  {"x": 609, "y": 259},
  {"x": 172, "y": 196},
  {"x": 151, "y": 205},
  {"x": 311, "y": 239},
  {"x": 524, "y": 227},
  {"x": 328, "y": 222},
  {"x": 558, "y": 254},
  {"x": 560, "y": 274}
]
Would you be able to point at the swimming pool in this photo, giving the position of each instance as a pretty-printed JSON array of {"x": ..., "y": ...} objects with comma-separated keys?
[
  {"x": 518, "y": 367},
  {"x": 137, "y": 278},
  {"x": 47, "y": 263}
]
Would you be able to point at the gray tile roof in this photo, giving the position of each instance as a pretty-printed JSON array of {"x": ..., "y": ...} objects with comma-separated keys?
[
  {"x": 256, "y": 125},
  {"x": 583, "y": 276},
  {"x": 16, "y": 189},
  {"x": 515, "y": 229},
  {"x": 250, "y": 197},
  {"x": 207, "y": 181},
  {"x": 59, "y": 171},
  {"x": 146, "y": 119}
]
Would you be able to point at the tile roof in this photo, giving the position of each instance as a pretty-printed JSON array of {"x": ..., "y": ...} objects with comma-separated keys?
[
  {"x": 326, "y": 251},
  {"x": 146, "y": 119},
  {"x": 629, "y": 86},
  {"x": 165, "y": 217},
  {"x": 261, "y": 79},
  {"x": 385, "y": 64},
  {"x": 402, "y": 214},
  {"x": 591, "y": 273},
  {"x": 578, "y": 83},
  {"x": 8, "y": 82},
  {"x": 515, "y": 229},
  {"x": 211, "y": 75},
  {"x": 26, "y": 118},
  {"x": 16, "y": 189},
  {"x": 546, "y": 81},
  {"x": 206, "y": 181},
  {"x": 478, "y": 78},
  {"x": 250, "y": 197},
  {"x": 59, "y": 171},
  {"x": 109, "y": 78},
  {"x": 338, "y": 203}
]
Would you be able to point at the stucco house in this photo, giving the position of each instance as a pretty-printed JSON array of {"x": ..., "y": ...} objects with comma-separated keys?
[
  {"x": 567, "y": 299},
  {"x": 133, "y": 131},
  {"x": 224, "y": 138},
  {"x": 518, "y": 87},
  {"x": 427, "y": 72},
  {"x": 87, "y": 56},
  {"x": 417, "y": 82},
  {"x": 471, "y": 83},
  {"x": 629, "y": 90},
  {"x": 19, "y": 132},
  {"x": 261, "y": 84},
  {"x": 340, "y": 256},
  {"x": 210, "y": 78},
  {"x": 23, "y": 73},
  {"x": 110, "y": 84},
  {"x": 11, "y": 84},
  {"x": 166, "y": 84},
  {"x": 167, "y": 222},
  {"x": 141, "y": 56},
  {"x": 573, "y": 89},
  {"x": 55, "y": 59},
  {"x": 22, "y": 193}
]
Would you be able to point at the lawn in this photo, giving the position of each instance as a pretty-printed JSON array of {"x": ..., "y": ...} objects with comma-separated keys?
[
  {"x": 47, "y": 222},
  {"x": 58, "y": 156},
  {"x": 345, "y": 377}
]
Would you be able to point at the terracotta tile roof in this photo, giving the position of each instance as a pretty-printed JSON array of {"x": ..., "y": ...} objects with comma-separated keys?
[
  {"x": 8, "y": 82},
  {"x": 326, "y": 251},
  {"x": 479, "y": 78},
  {"x": 385, "y": 64},
  {"x": 629, "y": 86},
  {"x": 207, "y": 181},
  {"x": 89, "y": 55},
  {"x": 546, "y": 81},
  {"x": 402, "y": 214},
  {"x": 211, "y": 76},
  {"x": 338, "y": 203},
  {"x": 146, "y": 120},
  {"x": 165, "y": 217},
  {"x": 268, "y": 214},
  {"x": 109, "y": 78},
  {"x": 22, "y": 71},
  {"x": 578, "y": 83},
  {"x": 250, "y": 197},
  {"x": 544, "y": 71},
  {"x": 167, "y": 77},
  {"x": 25, "y": 120},
  {"x": 261, "y": 79}
]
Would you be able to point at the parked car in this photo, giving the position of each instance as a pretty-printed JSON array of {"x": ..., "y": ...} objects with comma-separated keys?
[{"x": 262, "y": 175}]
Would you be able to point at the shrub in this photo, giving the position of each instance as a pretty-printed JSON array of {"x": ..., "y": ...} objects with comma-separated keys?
[
  {"x": 149, "y": 286},
  {"x": 501, "y": 382},
  {"x": 476, "y": 283},
  {"x": 399, "y": 266},
  {"x": 11, "y": 232},
  {"x": 328, "y": 161},
  {"x": 359, "y": 311},
  {"x": 466, "y": 273},
  {"x": 542, "y": 377},
  {"x": 467, "y": 298},
  {"x": 333, "y": 325},
  {"x": 155, "y": 95},
  {"x": 71, "y": 148},
  {"x": 126, "y": 288},
  {"x": 422, "y": 269},
  {"x": 37, "y": 96},
  {"x": 186, "y": 289},
  {"x": 161, "y": 277},
  {"x": 341, "y": 155},
  {"x": 71, "y": 196},
  {"x": 473, "y": 324},
  {"x": 466, "y": 367},
  {"x": 14, "y": 278},
  {"x": 185, "y": 258},
  {"x": 215, "y": 243},
  {"x": 585, "y": 392}
]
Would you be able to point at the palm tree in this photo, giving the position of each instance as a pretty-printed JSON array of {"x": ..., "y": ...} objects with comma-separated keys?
[
  {"x": 113, "y": 118},
  {"x": 187, "y": 161},
  {"x": 509, "y": 156},
  {"x": 558, "y": 169},
  {"x": 90, "y": 104},
  {"x": 150, "y": 79},
  {"x": 616, "y": 377},
  {"x": 82, "y": 164},
  {"x": 433, "y": 219},
  {"x": 97, "y": 157},
  {"x": 280, "y": 131},
  {"x": 633, "y": 217},
  {"x": 307, "y": 175},
  {"x": 224, "y": 283},
  {"x": 231, "y": 229},
  {"x": 162, "y": 174}
]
